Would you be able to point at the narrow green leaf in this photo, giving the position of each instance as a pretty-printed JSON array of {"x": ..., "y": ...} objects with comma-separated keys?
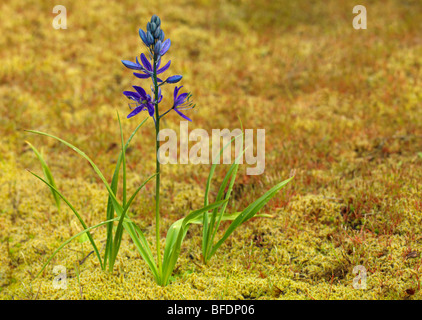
[
  {"x": 213, "y": 224},
  {"x": 76, "y": 214},
  {"x": 119, "y": 231},
  {"x": 113, "y": 186},
  {"x": 213, "y": 166},
  {"x": 249, "y": 212},
  {"x": 117, "y": 207},
  {"x": 175, "y": 236},
  {"x": 69, "y": 240},
  {"x": 206, "y": 230},
  {"x": 94, "y": 166}
]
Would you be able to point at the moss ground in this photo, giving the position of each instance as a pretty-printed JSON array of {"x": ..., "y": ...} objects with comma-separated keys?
[{"x": 340, "y": 106}]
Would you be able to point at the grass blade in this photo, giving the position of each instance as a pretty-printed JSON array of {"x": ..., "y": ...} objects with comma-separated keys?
[
  {"x": 47, "y": 174},
  {"x": 213, "y": 166},
  {"x": 175, "y": 236},
  {"x": 119, "y": 231},
  {"x": 213, "y": 224},
  {"x": 113, "y": 186},
  {"x": 249, "y": 212},
  {"x": 206, "y": 229},
  {"x": 76, "y": 214},
  {"x": 69, "y": 240},
  {"x": 94, "y": 166},
  {"x": 117, "y": 207}
]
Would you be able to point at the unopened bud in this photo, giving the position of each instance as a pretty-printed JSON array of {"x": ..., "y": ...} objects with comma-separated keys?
[
  {"x": 157, "y": 33},
  {"x": 157, "y": 47}
]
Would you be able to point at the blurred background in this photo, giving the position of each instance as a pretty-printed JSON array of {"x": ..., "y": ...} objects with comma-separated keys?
[{"x": 340, "y": 106}]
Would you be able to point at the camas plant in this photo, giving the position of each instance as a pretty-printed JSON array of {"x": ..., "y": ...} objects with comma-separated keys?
[
  {"x": 148, "y": 67},
  {"x": 157, "y": 47}
]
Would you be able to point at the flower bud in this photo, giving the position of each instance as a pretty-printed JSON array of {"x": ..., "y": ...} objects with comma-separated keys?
[
  {"x": 156, "y": 20},
  {"x": 150, "y": 38},
  {"x": 143, "y": 36},
  {"x": 157, "y": 33},
  {"x": 153, "y": 27},
  {"x": 174, "y": 79},
  {"x": 161, "y": 35},
  {"x": 149, "y": 27},
  {"x": 157, "y": 47}
]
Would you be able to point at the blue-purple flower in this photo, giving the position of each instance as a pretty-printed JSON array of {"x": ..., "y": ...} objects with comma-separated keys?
[
  {"x": 142, "y": 100},
  {"x": 145, "y": 67},
  {"x": 181, "y": 102},
  {"x": 149, "y": 67}
]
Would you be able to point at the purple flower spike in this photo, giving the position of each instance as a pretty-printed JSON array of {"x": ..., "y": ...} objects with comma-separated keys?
[{"x": 150, "y": 66}]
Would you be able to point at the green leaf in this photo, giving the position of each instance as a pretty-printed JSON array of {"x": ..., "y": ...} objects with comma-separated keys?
[
  {"x": 250, "y": 212},
  {"x": 214, "y": 225},
  {"x": 76, "y": 214},
  {"x": 208, "y": 225},
  {"x": 69, "y": 240},
  {"x": 175, "y": 236},
  {"x": 94, "y": 166},
  {"x": 117, "y": 207},
  {"x": 113, "y": 186},
  {"x": 119, "y": 231},
  {"x": 47, "y": 174}
]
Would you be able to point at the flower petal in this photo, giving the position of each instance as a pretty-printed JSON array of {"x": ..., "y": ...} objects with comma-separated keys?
[
  {"x": 145, "y": 62},
  {"x": 180, "y": 99},
  {"x": 135, "y": 111},
  {"x": 157, "y": 47},
  {"x": 131, "y": 94},
  {"x": 165, "y": 47},
  {"x": 164, "y": 68},
  {"x": 176, "y": 91},
  {"x": 141, "y": 75},
  {"x": 182, "y": 115},
  {"x": 150, "y": 108},
  {"x": 141, "y": 92},
  {"x": 150, "y": 38},
  {"x": 132, "y": 65}
]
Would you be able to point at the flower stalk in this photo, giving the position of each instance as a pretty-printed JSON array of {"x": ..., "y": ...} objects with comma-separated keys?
[{"x": 157, "y": 166}]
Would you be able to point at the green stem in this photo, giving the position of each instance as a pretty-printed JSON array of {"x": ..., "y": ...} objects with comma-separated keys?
[{"x": 157, "y": 169}]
